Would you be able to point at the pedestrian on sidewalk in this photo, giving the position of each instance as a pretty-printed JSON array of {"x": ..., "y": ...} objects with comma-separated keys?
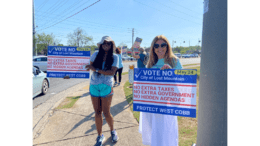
[
  {"x": 140, "y": 57},
  {"x": 159, "y": 129},
  {"x": 104, "y": 65},
  {"x": 120, "y": 68}
]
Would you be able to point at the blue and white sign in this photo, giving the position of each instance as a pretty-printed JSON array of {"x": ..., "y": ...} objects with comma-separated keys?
[
  {"x": 67, "y": 61},
  {"x": 171, "y": 91}
]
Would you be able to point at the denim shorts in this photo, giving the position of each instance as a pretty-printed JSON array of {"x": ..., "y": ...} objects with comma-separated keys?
[{"x": 101, "y": 90}]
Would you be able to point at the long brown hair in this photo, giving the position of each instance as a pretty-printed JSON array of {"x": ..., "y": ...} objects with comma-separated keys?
[
  {"x": 118, "y": 50},
  {"x": 169, "y": 57}
]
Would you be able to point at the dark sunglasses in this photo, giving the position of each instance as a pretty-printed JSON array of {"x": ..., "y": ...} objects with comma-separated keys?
[
  {"x": 156, "y": 46},
  {"x": 107, "y": 43}
]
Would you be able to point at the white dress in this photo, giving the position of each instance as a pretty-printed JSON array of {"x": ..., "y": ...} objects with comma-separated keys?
[{"x": 158, "y": 129}]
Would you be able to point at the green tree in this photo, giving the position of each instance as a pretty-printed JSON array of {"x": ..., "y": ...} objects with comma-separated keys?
[
  {"x": 43, "y": 41},
  {"x": 122, "y": 44},
  {"x": 79, "y": 38}
]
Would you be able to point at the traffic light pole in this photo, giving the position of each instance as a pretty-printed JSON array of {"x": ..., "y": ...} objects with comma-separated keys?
[{"x": 212, "y": 107}]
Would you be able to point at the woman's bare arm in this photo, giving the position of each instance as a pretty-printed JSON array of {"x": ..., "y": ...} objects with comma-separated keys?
[{"x": 108, "y": 72}]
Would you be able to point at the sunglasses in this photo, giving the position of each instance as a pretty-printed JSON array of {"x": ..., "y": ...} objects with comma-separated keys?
[
  {"x": 156, "y": 46},
  {"x": 107, "y": 43}
]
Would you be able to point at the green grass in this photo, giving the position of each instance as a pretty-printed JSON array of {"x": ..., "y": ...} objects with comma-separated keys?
[
  {"x": 124, "y": 73},
  {"x": 70, "y": 101},
  {"x": 190, "y": 64},
  {"x": 129, "y": 98}
]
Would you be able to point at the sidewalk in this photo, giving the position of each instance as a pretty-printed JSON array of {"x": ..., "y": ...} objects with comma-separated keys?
[{"x": 76, "y": 126}]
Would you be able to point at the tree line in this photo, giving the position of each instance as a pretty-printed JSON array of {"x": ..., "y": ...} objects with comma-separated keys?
[
  {"x": 187, "y": 50},
  {"x": 78, "y": 38}
]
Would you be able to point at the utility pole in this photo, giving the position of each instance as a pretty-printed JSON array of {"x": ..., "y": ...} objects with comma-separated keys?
[
  {"x": 132, "y": 36},
  {"x": 133, "y": 40},
  {"x": 34, "y": 42},
  {"x": 212, "y": 110}
]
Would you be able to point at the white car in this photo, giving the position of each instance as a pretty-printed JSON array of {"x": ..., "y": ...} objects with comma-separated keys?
[
  {"x": 41, "y": 83},
  {"x": 40, "y": 62}
]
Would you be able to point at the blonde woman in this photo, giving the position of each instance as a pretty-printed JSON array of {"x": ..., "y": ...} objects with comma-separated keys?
[{"x": 158, "y": 129}]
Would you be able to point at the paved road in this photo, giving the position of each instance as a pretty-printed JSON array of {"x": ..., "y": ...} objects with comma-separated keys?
[{"x": 58, "y": 85}]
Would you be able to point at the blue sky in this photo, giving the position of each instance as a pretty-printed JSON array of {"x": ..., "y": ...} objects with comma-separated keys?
[{"x": 177, "y": 20}]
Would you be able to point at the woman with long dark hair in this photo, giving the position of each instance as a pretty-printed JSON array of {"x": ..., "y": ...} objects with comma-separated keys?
[
  {"x": 104, "y": 64},
  {"x": 120, "y": 68}
]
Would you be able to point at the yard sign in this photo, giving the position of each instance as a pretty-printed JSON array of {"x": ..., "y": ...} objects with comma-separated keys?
[
  {"x": 67, "y": 61},
  {"x": 170, "y": 92}
]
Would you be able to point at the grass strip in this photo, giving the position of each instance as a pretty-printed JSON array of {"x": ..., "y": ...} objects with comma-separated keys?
[
  {"x": 68, "y": 102},
  {"x": 129, "y": 98},
  {"x": 191, "y": 64}
]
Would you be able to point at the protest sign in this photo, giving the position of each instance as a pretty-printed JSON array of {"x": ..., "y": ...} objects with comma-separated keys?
[
  {"x": 170, "y": 91},
  {"x": 67, "y": 61},
  {"x": 137, "y": 42},
  {"x": 124, "y": 50}
]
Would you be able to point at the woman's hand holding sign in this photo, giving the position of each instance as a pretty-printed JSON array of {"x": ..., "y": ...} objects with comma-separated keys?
[
  {"x": 90, "y": 67},
  {"x": 166, "y": 66}
]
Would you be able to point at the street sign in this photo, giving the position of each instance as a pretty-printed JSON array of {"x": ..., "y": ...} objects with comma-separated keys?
[
  {"x": 170, "y": 92},
  {"x": 67, "y": 61}
]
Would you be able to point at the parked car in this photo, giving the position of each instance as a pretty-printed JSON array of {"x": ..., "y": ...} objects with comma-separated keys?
[
  {"x": 132, "y": 58},
  {"x": 41, "y": 83},
  {"x": 178, "y": 55},
  {"x": 40, "y": 62},
  {"x": 196, "y": 55},
  {"x": 127, "y": 58},
  {"x": 186, "y": 56},
  {"x": 192, "y": 55}
]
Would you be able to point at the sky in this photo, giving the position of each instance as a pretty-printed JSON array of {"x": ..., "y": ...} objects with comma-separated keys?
[{"x": 178, "y": 20}]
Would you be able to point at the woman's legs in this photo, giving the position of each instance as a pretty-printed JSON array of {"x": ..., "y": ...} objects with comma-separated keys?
[
  {"x": 115, "y": 76},
  {"x": 96, "y": 102},
  {"x": 106, "y": 104},
  {"x": 120, "y": 74}
]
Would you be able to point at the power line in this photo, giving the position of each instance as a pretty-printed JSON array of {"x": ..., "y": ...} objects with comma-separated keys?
[
  {"x": 71, "y": 15},
  {"x": 167, "y": 13},
  {"x": 80, "y": 21},
  {"x": 51, "y": 8},
  {"x": 185, "y": 7},
  {"x": 41, "y": 6},
  {"x": 176, "y": 10},
  {"x": 88, "y": 23},
  {"x": 55, "y": 9},
  {"x": 61, "y": 12},
  {"x": 49, "y": 22}
]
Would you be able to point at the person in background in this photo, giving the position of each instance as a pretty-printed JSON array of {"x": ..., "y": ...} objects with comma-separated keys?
[
  {"x": 120, "y": 68},
  {"x": 158, "y": 129},
  {"x": 140, "y": 57},
  {"x": 104, "y": 65}
]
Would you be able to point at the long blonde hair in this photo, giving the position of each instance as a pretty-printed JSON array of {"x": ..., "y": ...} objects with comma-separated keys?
[{"x": 169, "y": 57}]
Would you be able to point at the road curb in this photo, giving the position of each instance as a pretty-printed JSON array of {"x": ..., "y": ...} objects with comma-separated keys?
[{"x": 53, "y": 103}]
